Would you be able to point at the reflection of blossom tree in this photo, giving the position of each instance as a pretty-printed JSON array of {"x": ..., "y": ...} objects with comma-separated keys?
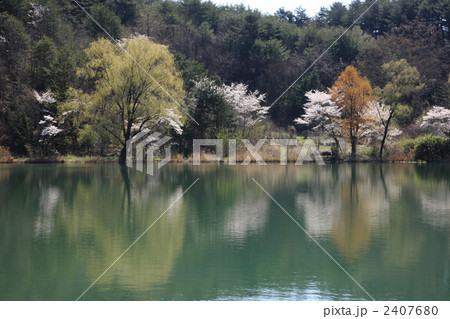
[
  {"x": 45, "y": 220},
  {"x": 319, "y": 213},
  {"x": 436, "y": 208},
  {"x": 248, "y": 216}
]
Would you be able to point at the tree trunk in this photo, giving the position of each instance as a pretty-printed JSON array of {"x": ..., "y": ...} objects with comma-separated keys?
[
  {"x": 123, "y": 156},
  {"x": 353, "y": 141},
  {"x": 386, "y": 130},
  {"x": 123, "y": 152},
  {"x": 337, "y": 145}
]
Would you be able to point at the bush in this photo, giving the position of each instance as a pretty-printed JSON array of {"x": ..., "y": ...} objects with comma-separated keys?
[
  {"x": 408, "y": 145},
  {"x": 226, "y": 135},
  {"x": 336, "y": 155},
  {"x": 432, "y": 148}
]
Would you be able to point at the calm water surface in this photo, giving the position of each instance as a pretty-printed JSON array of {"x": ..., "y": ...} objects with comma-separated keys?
[{"x": 61, "y": 226}]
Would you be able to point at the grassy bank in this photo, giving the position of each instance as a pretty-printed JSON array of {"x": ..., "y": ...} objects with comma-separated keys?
[
  {"x": 426, "y": 149},
  {"x": 63, "y": 159}
]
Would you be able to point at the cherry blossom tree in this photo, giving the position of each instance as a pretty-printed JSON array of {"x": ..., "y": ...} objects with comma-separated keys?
[
  {"x": 49, "y": 125},
  {"x": 322, "y": 114},
  {"x": 437, "y": 120},
  {"x": 246, "y": 104},
  {"x": 218, "y": 106},
  {"x": 377, "y": 123}
]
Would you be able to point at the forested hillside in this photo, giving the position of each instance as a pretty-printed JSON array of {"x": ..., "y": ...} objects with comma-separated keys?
[{"x": 56, "y": 71}]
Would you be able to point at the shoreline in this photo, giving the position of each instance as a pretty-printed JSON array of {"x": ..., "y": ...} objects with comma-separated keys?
[
  {"x": 81, "y": 160},
  {"x": 100, "y": 160}
]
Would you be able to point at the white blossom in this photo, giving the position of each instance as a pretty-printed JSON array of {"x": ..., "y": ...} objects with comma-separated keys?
[
  {"x": 376, "y": 118},
  {"x": 50, "y": 131},
  {"x": 206, "y": 85},
  {"x": 174, "y": 121},
  {"x": 246, "y": 104},
  {"x": 45, "y": 98},
  {"x": 49, "y": 118},
  {"x": 170, "y": 119},
  {"x": 437, "y": 120},
  {"x": 321, "y": 113},
  {"x": 36, "y": 13}
]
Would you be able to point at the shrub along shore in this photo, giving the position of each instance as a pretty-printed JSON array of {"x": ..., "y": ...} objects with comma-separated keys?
[{"x": 428, "y": 148}]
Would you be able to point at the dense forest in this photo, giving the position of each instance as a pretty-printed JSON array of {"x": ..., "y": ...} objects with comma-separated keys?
[{"x": 67, "y": 85}]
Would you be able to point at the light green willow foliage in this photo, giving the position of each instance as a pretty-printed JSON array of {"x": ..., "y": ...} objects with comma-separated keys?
[{"x": 128, "y": 97}]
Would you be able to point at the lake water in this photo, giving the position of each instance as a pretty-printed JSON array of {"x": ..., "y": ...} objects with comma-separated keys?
[{"x": 388, "y": 226}]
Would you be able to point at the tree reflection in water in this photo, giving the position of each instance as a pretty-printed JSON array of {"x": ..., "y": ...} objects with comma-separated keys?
[{"x": 61, "y": 226}]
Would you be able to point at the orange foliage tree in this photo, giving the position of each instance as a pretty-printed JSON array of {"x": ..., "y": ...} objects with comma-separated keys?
[{"x": 352, "y": 93}]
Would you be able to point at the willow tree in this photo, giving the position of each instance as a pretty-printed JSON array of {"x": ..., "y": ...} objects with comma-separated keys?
[
  {"x": 131, "y": 94},
  {"x": 352, "y": 93}
]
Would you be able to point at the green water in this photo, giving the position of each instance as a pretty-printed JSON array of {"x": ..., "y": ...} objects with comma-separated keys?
[{"x": 388, "y": 226}]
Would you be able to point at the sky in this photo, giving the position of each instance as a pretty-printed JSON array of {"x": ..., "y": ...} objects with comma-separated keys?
[{"x": 271, "y": 6}]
